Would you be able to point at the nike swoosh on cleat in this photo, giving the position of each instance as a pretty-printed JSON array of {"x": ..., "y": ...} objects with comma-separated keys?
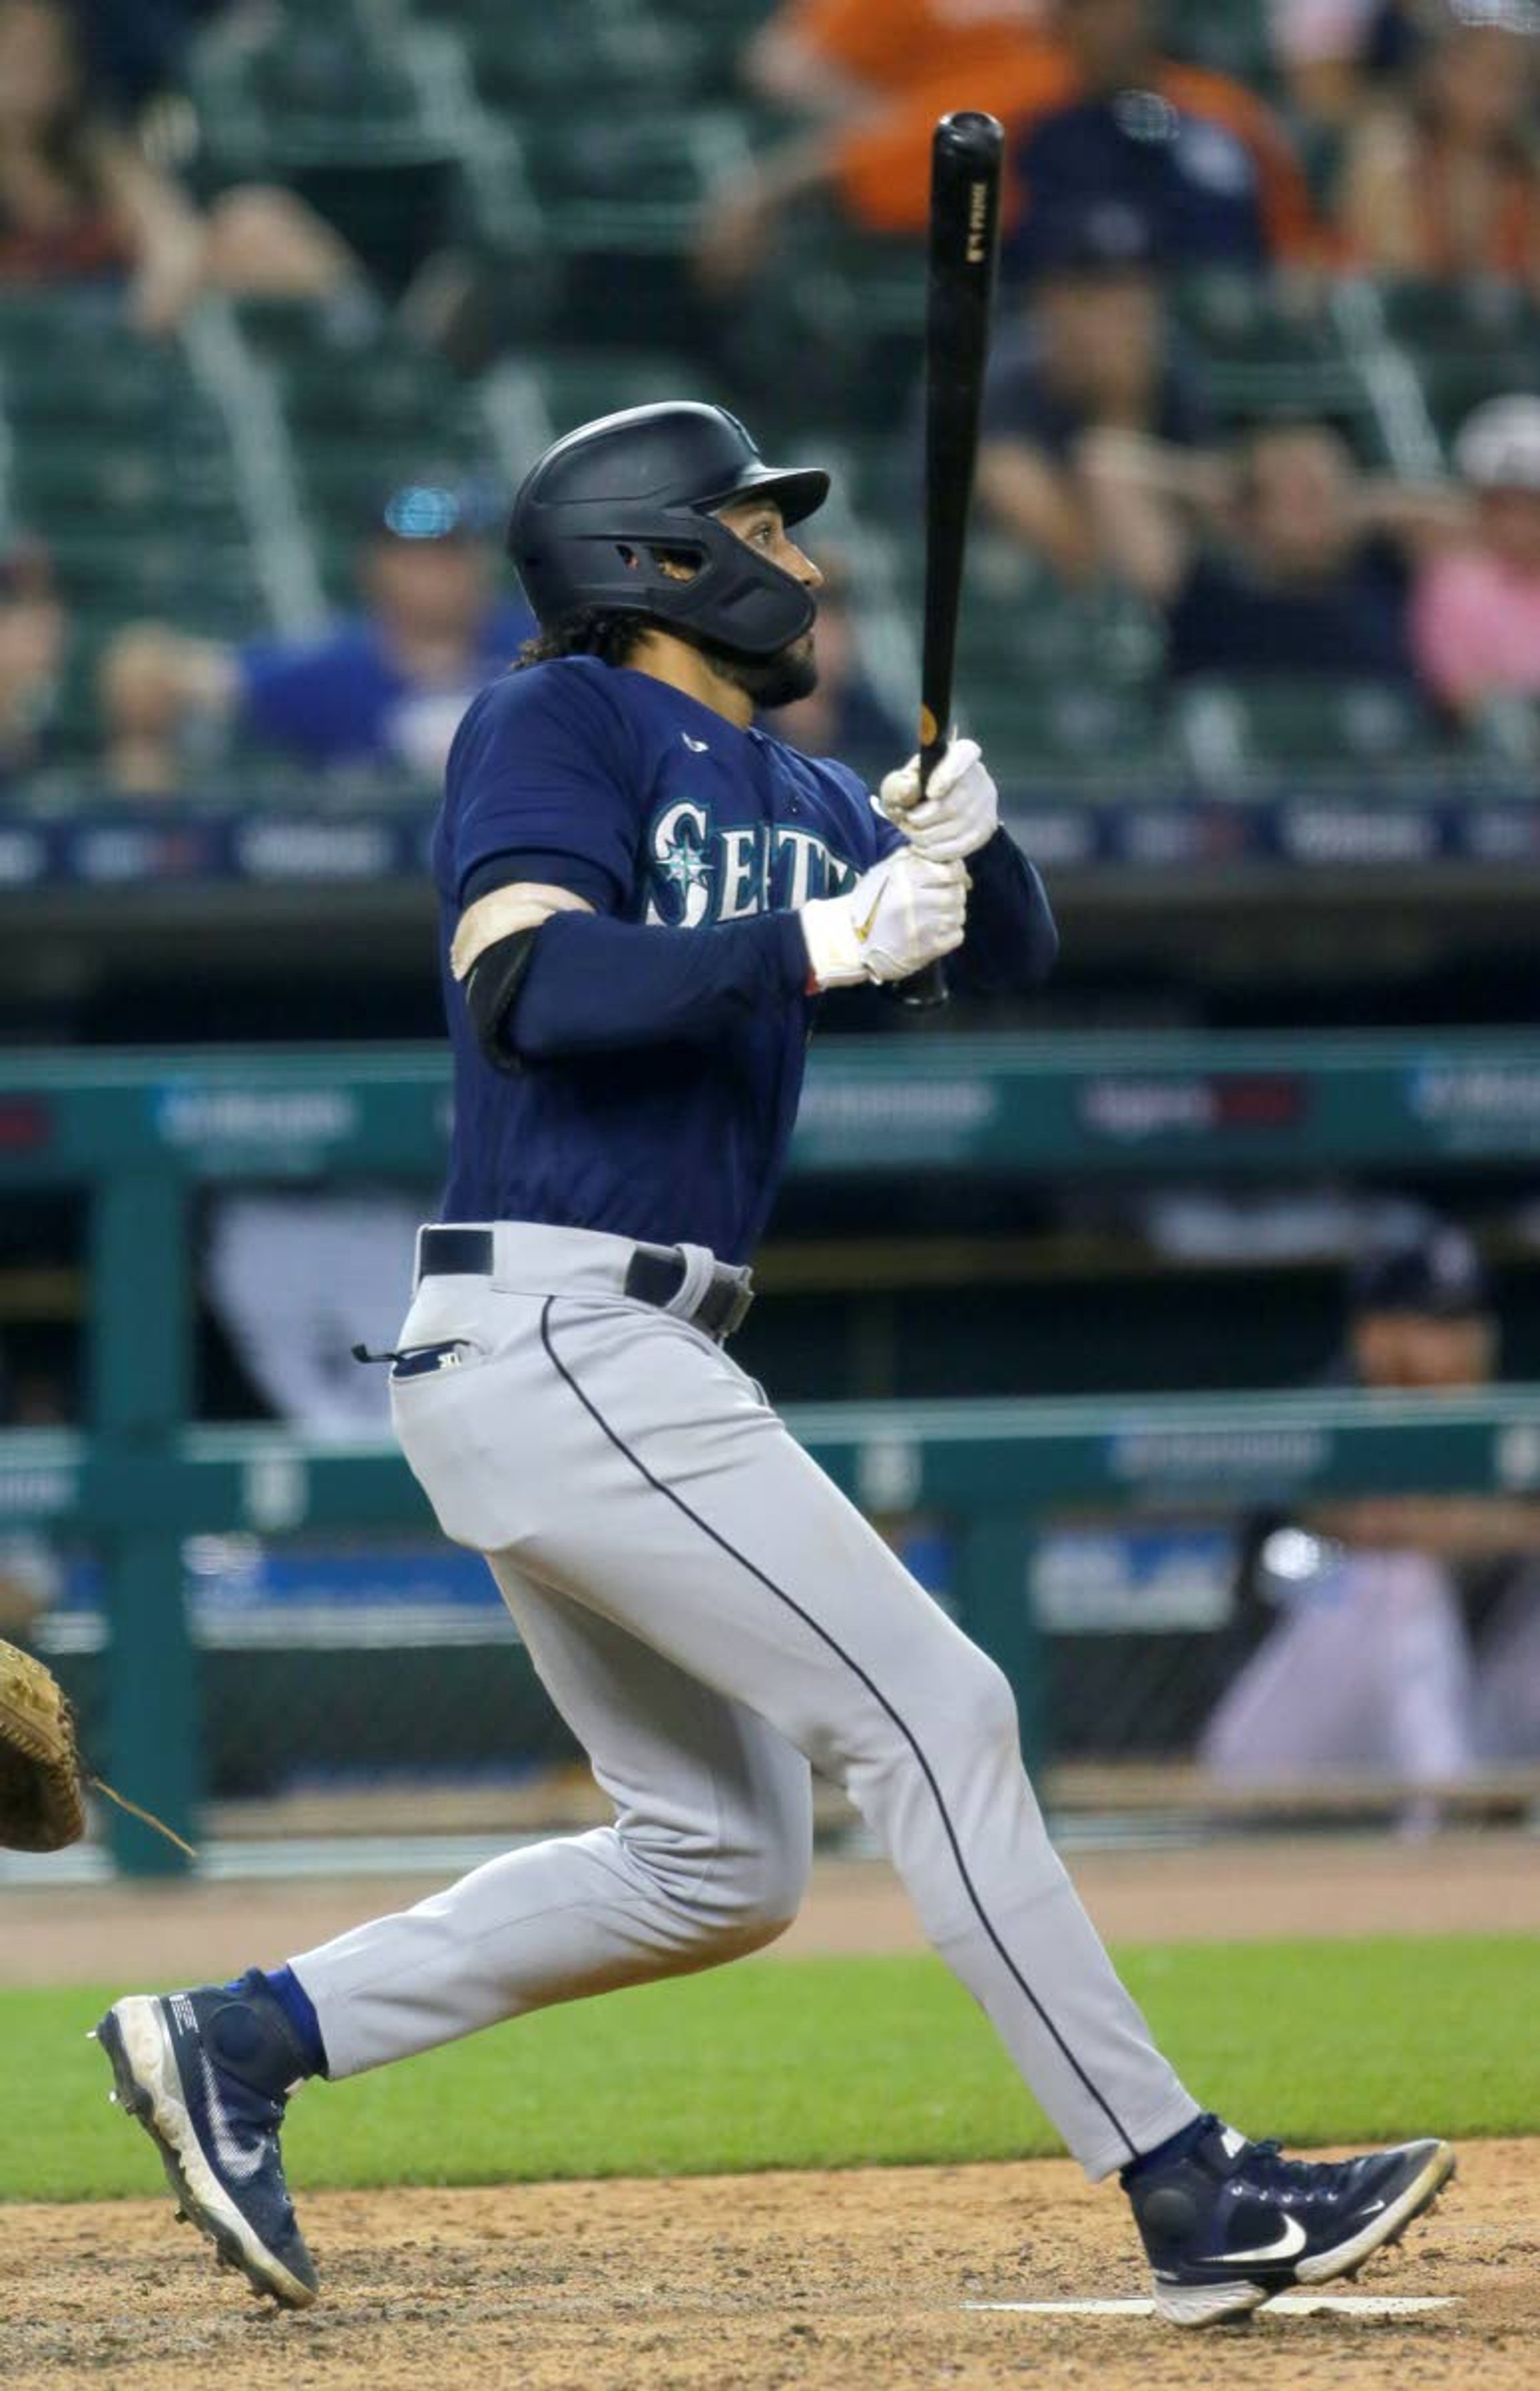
[
  {"x": 240, "y": 2163},
  {"x": 1290, "y": 2242}
]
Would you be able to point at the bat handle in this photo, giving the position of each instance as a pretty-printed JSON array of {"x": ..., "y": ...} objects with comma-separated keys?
[{"x": 926, "y": 990}]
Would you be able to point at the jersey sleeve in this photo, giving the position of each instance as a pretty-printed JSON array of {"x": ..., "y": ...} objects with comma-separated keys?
[
  {"x": 543, "y": 764},
  {"x": 1012, "y": 941}
]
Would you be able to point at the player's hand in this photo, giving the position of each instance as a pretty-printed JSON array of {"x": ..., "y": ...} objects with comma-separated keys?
[
  {"x": 959, "y": 811},
  {"x": 906, "y": 912}
]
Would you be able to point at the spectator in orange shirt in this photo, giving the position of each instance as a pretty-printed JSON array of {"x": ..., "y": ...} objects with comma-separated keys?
[
  {"x": 1195, "y": 149},
  {"x": 1446, "y": 182},
  {"x": 844, "y": 57}
]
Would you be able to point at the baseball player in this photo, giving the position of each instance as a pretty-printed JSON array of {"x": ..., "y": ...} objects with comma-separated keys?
[{"x": 643, "y": 900}]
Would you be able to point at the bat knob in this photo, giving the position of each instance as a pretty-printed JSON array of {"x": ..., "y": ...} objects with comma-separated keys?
[
  {"x": 969, "y": 132},
  {"x": 924, "y": 990}
]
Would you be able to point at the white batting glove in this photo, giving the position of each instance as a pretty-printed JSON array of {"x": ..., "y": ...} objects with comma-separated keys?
[
  {"x": 906, "y": 912},
  {"x": 961, "y": 809}
]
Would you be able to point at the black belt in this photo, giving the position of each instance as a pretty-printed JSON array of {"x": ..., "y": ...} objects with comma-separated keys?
[{"x": 654, "y": 1274}]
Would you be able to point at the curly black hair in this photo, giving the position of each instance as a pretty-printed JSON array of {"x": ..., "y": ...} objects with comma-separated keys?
[{"x": 611, "y": 633}]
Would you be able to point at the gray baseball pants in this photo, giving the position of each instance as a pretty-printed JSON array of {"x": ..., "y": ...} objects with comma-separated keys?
[{"x": 711, "y": 1614}]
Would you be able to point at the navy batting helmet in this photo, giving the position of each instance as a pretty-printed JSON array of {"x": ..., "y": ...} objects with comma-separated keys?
[{"x": 591, "y": 513}]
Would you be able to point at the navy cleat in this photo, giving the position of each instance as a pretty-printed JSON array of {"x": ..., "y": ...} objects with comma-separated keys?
[
  {"x": 1233, "y": 2223},
  {"x": 207, "y": 2075}
]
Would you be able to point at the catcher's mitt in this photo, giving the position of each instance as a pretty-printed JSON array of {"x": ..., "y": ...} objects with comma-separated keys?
[
  {"x": 42, "y": 1790},
  {"x": 42, "y": 1778}
]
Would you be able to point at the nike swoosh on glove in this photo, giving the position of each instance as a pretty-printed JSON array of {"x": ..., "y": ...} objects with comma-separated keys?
[
  {"x": 959, "y": 811},
  {"x": 906, "y": 912}
]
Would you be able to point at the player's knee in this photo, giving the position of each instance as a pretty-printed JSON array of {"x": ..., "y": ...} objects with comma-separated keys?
[
  {"x": 754, "y": 1891},
  {"x": 991, "y": 1706},
  {"x": 737, "y": 1897},
  {"x": 769, "y": 1886}
]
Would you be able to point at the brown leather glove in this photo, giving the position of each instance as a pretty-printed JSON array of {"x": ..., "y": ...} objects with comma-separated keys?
[{"x": 41, "y": 1787}]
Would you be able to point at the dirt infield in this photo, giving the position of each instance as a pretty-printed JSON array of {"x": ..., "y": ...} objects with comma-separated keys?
[
  {"x": 839, "y": 2282},
  {"x": 836, "y": 2282}
]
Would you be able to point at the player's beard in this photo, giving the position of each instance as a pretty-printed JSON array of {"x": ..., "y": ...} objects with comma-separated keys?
[{"x": 767, "y": 681}]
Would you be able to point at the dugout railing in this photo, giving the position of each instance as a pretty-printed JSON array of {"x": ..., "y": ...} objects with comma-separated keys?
[{"x": 141, "y": 1133}]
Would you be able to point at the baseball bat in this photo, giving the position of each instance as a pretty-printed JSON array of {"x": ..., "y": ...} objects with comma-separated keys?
[{"x": 967, "y": 158}]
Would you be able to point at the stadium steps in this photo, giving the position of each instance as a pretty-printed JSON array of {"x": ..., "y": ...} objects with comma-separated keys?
[
  {"x": 1466, "y": 342},
  {"x": 121, "y": 462}
]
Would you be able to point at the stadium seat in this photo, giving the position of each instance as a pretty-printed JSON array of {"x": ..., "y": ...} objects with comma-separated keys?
[
  {"x": 1265, "y": 351},
  {"x": 1053, "y": 681},
  {"x": 1082, "y": 734},
  {"x": 82, "y": 365},
  {"x": 637, "y": 187},
  {"x": 849, "y": 309},
  {"x": 712, "y": 36},
  {"x": 576, "y": 384},
  {"x": 180, "y": 576},
  {"x": 391, "y": 393},
  {"x": 1256, "y": 726},
  {"x": 526, "y": 60},
  {"x": 122, "y": 463},
  {"x": 1468, "y": 342},
  {"x": 122, "y": 481},
  {"x": 303, "y": 88},
  {"x": 1230, "y": 36}
]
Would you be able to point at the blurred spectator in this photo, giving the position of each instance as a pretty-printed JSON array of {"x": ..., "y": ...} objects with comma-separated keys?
[
  {"x": 31, "y": 1576},
  {"x": 1366, "y": 1663},
  {"x": 842, "y": 57},
  {"x": 386, "y": 688},
  {"x": 136, "y": 48},
  {"x": 1286, "y": 562},
  {"x": 1476, "y": 617},
  {"x": 298, "y": 1278},
  {"x": 81, "y": 201},
  {"x": 1094, "y": 111},
  {"x": 1089, "y": 351},
  {"x": 32, "y": 636},
  {"x": 29, "y": 1580},
  {"x": 1194, "y": 151},
  {"x": 1334, "y": 52},
  {"x": 844, "y": 716},
  {"x": 1445, "y": 181}
]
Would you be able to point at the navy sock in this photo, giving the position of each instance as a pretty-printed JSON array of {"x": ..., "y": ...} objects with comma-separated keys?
[
  {"x": 1167, "y": 2153},
  {"x": 299, "y": 2010}
]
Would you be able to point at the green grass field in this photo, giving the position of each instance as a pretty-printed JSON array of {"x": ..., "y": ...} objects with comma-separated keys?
[{"x": 835, "y": 2062}]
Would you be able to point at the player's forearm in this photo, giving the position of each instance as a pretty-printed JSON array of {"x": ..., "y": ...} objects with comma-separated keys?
[
  {"x": 1012, "y": 941},
  {"x": 596, "y": 986}
]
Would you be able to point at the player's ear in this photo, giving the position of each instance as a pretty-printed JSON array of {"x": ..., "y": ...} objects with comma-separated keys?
[{"x": 676, "y": 563}]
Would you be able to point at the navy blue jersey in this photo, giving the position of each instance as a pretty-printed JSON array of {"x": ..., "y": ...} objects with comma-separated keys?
[
  {"x": 660, "y": 1039},
  {"x": 658, "y": 811}
]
